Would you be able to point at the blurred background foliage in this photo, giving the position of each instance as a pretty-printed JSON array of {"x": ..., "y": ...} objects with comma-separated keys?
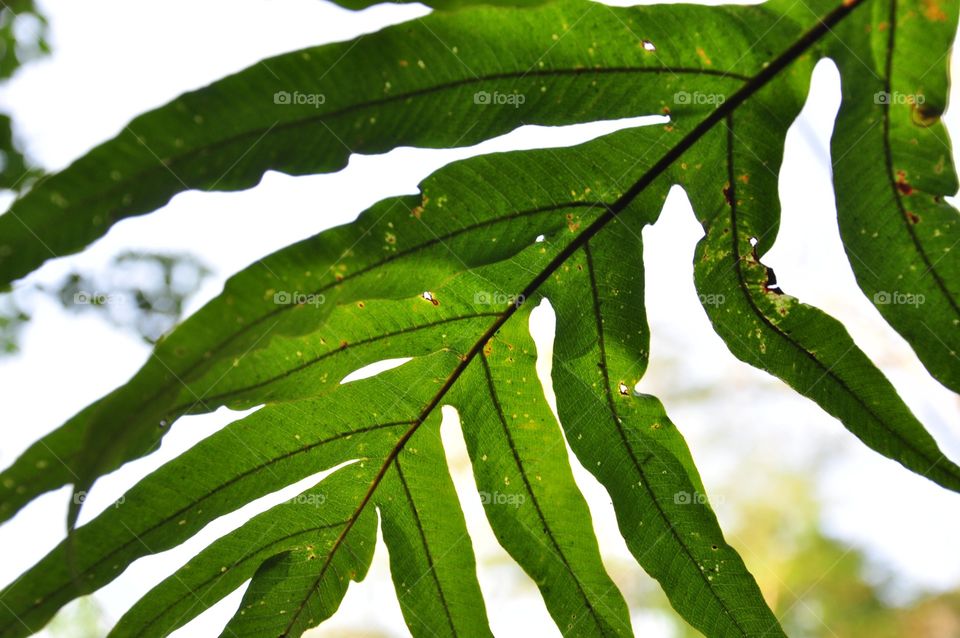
[
  {"x": 23, "y": 37},
  {"x": 143, "y": 292},
  {"x": 140, "y": 291}
]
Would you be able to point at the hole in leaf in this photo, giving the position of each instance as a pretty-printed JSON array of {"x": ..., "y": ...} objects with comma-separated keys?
[{"x": 374, "y": 369}]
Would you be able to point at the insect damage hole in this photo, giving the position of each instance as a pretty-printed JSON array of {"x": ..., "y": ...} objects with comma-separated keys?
[{"x": 375, "y": 368}]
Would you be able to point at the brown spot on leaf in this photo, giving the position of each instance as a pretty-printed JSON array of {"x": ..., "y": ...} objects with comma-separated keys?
[
  {"x": 913, "y": 217},
  {"x": 728, "y": 194},
  {"x": 903, "y": 185},
  {"x": 925, "y": 115},
  {"x": 933, "y": 11}
]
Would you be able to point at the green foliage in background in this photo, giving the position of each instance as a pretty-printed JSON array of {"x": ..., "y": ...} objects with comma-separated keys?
[
  {"x": 446, "y": 279},
  {"x": 22, "y": 39}
]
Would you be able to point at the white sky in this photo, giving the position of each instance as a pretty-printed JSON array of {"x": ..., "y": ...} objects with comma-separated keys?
[{"x": 114, "y": 59}]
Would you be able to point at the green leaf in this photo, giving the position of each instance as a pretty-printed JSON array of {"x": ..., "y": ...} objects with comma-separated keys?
[
  {"x": 445, "y": 279},
  {"x": 382, "y": 91},
  {"x": 431, "y": 558},
  {"x": 893, "y": 168}
]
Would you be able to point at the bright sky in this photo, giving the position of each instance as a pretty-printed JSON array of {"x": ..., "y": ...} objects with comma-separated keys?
[{"x": 114, "y": 59}]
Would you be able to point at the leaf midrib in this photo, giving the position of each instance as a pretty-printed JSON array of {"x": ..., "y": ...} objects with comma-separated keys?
[
  {"x": 501, "y": 417},
  {"x": 426, "y": 546}
]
